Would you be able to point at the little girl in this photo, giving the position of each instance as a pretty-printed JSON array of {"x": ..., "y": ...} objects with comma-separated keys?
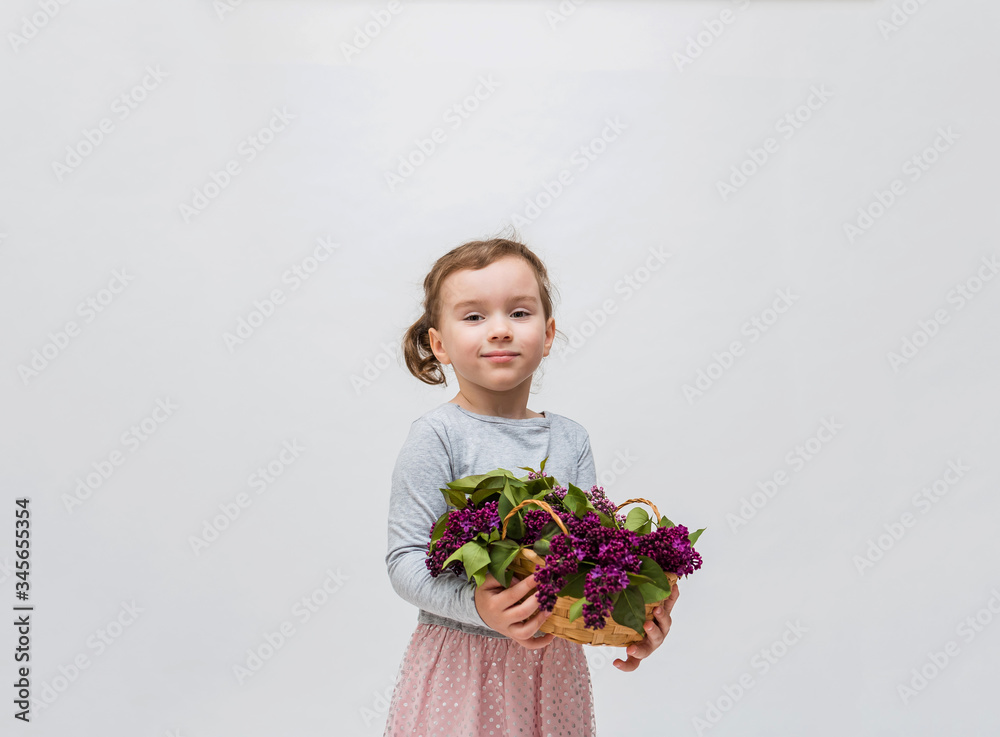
[{"x": 473, "y": 665}]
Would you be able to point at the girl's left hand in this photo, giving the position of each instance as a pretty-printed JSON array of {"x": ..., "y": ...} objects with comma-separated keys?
[{"x": 656, "y": 630}]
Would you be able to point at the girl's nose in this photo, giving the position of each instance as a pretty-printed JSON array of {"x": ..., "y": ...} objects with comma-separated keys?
[{"x": 500, "y": 328}]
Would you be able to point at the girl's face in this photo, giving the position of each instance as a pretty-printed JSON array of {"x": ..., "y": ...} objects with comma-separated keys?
[{"x": 496, "y": 309}]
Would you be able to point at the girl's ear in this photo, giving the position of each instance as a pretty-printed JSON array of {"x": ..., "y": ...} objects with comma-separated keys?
[
  {"x": 550, "y": 334},
  {"x": 437, "y": 346}
]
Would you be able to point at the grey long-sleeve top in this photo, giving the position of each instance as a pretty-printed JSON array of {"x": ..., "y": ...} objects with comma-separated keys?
[{"x": 447, "y": 443}]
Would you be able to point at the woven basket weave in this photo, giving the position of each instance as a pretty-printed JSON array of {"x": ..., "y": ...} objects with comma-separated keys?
[{"x": 612, "y": 634}]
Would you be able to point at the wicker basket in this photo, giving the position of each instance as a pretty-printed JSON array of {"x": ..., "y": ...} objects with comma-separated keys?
[{"x": 612, "y": 634}]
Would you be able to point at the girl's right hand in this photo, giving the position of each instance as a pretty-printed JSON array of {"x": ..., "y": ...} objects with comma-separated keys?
[{"x": 500, "y": 610}]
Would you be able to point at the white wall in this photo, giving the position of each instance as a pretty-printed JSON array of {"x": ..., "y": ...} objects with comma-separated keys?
[{"x": 888, "y": 89}]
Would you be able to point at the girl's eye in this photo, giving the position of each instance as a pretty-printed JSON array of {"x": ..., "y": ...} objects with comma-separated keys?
[{"x": 523, "y": 312}]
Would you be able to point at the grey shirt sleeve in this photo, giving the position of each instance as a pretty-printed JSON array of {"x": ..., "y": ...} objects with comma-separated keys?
[
  {"x": 422, "y": 468},
  {"x": 586, "y": 475}
]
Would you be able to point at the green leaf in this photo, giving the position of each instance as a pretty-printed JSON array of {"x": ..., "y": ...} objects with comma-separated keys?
[
  {"x": 466, "y": 482},
  {"x": 652, "y": 594},
  {"x": 651, "y": 570},
  {"x": 576, "y": 609},
  {"x": 576, "y": 501},
  {"x": 510, "y": 497},
  {"x": 472, "y": 555},
  {"x": 483, "y": 495},
  {"x": 501, "y": 556},
  {"x": 439, "y": 528},
  {"x": 607, "y": 521},
  {"x": 542, "y": 467},
  {"x": 664, "y": 522},
  {"x": 630, "y": 610},
  {"x": 493, "y": 480},
  {"x": 515, "y": 527},
  {"x": 636, "y": 519},
  {"x": 693, "y": 537},
  {"x": 541, "y": 547},
  {"x": 454, "y": 498},
  {"x": 574, "y": 584}
]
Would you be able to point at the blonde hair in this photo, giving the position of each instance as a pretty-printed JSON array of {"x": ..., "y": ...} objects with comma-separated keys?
[{"x": 420, "y": 359}]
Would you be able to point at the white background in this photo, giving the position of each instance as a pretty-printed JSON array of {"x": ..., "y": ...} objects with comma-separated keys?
[{"x": 324, "y": 370}]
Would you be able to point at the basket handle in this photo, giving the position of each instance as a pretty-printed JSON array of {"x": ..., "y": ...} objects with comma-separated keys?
[
  {"x": 656, "y": 511},
  {"x": 540, "y": 503}
]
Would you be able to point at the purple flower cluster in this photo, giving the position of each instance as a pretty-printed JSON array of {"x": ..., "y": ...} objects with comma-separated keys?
[
  {"x": 535, "y": 520},
  {"x": 563, "y": 559},
  {"x": 670, "y": 548},
  {"x": 615, "y": 553},
  {"x": 463, "y": 525},
  {"x": 602, "y": 583},
  {"x": 597, "y": 498},
  {"x": 606, "y": 555},
  {"x": 603, "y": 504}
]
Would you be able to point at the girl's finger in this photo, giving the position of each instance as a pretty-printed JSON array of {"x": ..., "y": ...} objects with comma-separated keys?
[
  {"x": 675, "y": 592},
  {"x": 627, "y": 665},
  {"x": 661, "y": 615},
  {"x": 534, "y": 643},
  {"x": 518, "y": 590},
  {"x": 654, "y": 635},
  {"x": 525, "y": 609},
  {"x": 530, "y": 624}
]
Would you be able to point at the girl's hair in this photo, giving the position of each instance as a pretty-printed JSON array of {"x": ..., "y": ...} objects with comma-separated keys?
[{"x": 420, "y": 359}]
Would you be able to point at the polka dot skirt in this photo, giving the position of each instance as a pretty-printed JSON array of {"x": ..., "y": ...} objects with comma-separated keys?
[{"x": 453, "y": 684}]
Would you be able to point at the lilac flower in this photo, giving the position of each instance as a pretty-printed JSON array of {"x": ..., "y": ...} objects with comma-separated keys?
[
  {"x": 670, "y": 548},
  {"x": 600, "y": 585},
  {"x": 463, "y": 525}
]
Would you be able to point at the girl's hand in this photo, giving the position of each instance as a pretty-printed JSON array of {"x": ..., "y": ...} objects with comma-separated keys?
[
  {"x": 656, "y": 630},
  {"x": 501, "y": 611}
]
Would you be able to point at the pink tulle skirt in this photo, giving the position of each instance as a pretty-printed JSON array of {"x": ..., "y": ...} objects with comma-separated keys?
[{"x": 454, "y": 684}]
